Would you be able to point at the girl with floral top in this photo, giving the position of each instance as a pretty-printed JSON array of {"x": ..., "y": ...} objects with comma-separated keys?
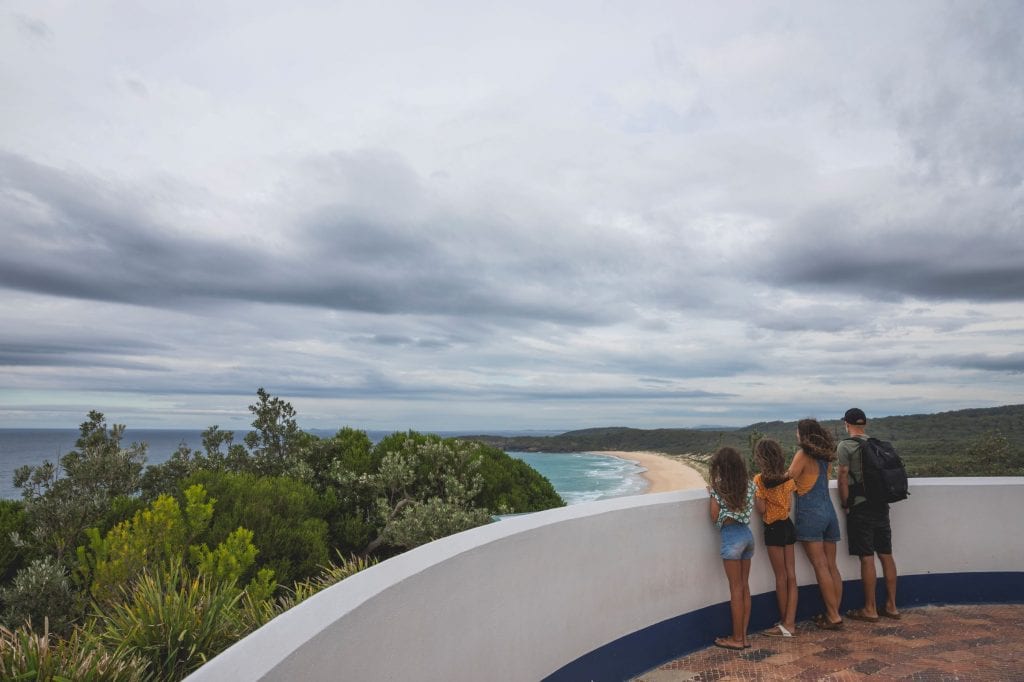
[
  {"x": 773, "y": 499},
  {"x": 732, "y": 501}
]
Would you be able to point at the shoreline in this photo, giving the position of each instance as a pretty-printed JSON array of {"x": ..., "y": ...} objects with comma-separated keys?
[{"x": 663, "y": 472}]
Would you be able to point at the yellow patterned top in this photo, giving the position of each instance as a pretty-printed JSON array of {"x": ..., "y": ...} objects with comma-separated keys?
[{"x": 777, "y": 499}]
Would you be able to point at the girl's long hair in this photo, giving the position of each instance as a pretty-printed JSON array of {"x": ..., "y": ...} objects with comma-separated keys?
[
  {"x": 771, "y": 461},
  {"x": 816, "y": 441},
  {"x": 728, "y": 474}
]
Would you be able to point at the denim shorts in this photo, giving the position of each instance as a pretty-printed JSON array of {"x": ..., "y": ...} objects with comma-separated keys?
[
  {"x": 737, "y": 541},
  {"x": 816, "y": 519}
]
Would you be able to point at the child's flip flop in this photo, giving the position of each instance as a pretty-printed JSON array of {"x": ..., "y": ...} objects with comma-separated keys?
[{"x": 779, "y": 631}]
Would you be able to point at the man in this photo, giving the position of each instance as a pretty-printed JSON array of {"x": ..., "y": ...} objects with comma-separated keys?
[{"x": 867, "y": 529}]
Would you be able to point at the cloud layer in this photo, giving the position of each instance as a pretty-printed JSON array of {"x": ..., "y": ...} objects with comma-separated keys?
[{"x": 525, "y": 218}]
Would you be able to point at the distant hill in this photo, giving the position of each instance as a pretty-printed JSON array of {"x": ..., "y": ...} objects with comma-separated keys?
[{"x": 980, "y": 441}]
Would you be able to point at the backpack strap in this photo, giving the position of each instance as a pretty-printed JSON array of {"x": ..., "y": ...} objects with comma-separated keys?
[{"x": 857, "y": 489}]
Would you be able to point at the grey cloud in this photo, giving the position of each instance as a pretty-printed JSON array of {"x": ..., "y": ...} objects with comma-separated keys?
[
  {"x": 963, "y": 121},
  {"x": 969, "y": 251},
  {"x": 1012, "y": 363},
  {"x": 74, "y": 236},
  {"x": 36, "y": 28},
  {"x": 87, "y": 352}
]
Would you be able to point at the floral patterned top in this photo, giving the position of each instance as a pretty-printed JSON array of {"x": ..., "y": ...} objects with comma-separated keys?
[{"x": 740, "y": 516}]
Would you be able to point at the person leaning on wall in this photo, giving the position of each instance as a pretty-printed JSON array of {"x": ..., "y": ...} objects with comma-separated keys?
[{"x": 868, "y": 531}]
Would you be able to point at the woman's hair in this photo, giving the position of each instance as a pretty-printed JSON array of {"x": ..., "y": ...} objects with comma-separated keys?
[
  {"x": 770, "y": 460},
  {"x": 816, "y": 441},
  {"x": 728, "y": 474}
]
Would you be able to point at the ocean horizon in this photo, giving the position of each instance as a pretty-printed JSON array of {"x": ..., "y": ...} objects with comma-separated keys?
[{"x": 576, "y": 476}]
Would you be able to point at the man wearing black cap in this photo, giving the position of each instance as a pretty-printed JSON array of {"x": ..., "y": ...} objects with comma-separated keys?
[{"x": 867, "y": 523}]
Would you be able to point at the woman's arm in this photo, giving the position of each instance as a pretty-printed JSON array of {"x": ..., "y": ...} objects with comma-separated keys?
[{"x": 797, "y": 465}]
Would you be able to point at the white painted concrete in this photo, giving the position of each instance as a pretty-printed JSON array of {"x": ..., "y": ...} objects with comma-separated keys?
[{"x": 518, "y": 599}]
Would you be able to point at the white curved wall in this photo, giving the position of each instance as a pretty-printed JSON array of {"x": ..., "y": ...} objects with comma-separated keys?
[{"x": 519, "y": 599}]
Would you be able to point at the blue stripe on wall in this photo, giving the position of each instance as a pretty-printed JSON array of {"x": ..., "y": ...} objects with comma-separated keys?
[{"x": 645, "y": 649}]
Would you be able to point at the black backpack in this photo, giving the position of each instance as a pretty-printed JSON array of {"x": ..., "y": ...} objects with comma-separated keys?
[{"x": 883, "y": 479}]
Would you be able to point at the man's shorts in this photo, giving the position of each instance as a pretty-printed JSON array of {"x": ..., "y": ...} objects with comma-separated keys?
[
  {"x": 868, "y": 530},
  {"x": 779, "y": 533},
  {"x": 737, "y": 541}
]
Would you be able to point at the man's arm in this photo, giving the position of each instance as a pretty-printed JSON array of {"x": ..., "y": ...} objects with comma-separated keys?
[{"x": 843, "y": 481}]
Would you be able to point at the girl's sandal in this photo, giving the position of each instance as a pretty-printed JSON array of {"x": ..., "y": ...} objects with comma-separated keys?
[{"x": 779, "y": 630}]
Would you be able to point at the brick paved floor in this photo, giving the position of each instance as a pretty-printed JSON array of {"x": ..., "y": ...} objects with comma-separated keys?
[{"x": 984, "y": 642}]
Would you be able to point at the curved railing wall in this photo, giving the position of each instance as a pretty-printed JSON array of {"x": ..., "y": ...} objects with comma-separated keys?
[{"x": 606, "y": 590}]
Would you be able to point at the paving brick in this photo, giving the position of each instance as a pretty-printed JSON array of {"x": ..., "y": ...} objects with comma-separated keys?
[{"x": 973, "y": 642}]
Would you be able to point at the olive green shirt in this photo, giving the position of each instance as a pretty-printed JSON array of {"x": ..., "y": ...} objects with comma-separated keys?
[{"x": 850, "y": 457}]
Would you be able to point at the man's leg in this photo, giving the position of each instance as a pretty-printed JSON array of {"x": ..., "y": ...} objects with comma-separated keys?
[
  {"x": 869, "y": 578},
  {"x": 889, "y": 571}
]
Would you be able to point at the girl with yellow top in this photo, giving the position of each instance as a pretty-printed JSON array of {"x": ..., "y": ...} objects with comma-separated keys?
[{"x": 773, "y": 495}]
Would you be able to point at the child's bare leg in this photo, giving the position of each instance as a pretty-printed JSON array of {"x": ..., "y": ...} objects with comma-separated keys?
[
  {"x": 745, "y": 571},
  {"x": 789, "y": 617},
  {"x": 734, "y": 572},
  {"x": 777, "y": 557}
]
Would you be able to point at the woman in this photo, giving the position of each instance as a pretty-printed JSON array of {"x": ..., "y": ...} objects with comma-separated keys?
[{"x": 817, "y": 526}]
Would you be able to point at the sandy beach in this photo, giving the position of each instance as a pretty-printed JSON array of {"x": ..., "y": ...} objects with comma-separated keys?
[{"x": 663, "y": 472}]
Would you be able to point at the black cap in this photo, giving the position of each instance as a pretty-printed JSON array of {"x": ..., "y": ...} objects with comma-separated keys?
[{"x": 855, "y": 416}]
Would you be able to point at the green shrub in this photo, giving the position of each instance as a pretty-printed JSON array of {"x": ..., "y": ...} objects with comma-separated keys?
[
  {"x": 13, "y": 523},
  {"x": 284, "y": 515},
  {"x": 511, "y": 486},
  {"x": 174, "y": 620},
  {"x": 26, "y": 655},
  {"x": 39, "y": 592},
  {"x": 256, "y": 611}
]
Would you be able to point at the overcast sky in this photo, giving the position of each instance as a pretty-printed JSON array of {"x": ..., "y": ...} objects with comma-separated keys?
[{"x": 528, "y": 215}]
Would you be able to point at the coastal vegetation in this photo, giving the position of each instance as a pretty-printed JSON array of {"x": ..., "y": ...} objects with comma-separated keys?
[
  {"x": 972, "y": 442},
  {"x": 112, "y": 570}
]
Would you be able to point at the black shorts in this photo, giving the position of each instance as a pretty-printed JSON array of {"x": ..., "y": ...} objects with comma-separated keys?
[
  {"x": 868, "y": 530},
  {"x": 780, "y": 533}
]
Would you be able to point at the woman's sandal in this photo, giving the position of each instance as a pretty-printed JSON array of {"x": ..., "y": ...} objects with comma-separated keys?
[
  {"x": 723, "y": 643},
  {"x": 858, "y": 614}
]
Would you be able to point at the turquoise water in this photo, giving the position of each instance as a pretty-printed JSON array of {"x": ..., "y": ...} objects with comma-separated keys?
[
  {"x": 585, "y": 477},
  {"x": 577, "y": 476}
]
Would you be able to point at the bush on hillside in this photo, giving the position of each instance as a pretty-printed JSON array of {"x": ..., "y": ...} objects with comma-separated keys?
[{"x": 284, "y": 515}]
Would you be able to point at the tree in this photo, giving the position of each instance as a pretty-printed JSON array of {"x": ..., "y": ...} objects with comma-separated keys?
[
  {"x": 62, "y": 501},
  {"x": 423, "y": 489},
  {"x": 275, "y": 436}
]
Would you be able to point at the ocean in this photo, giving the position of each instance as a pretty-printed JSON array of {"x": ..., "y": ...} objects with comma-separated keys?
[{"x": 577, "y": 476}]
